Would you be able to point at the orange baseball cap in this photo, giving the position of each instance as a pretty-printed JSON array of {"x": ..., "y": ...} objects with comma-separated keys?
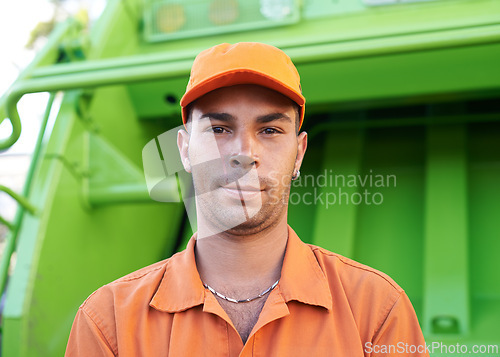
[{"x": 226, "y": 65}]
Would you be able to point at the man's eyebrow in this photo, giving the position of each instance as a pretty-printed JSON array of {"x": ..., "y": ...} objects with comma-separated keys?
[
  {"x": 273, "y": 116},
  {"x": 226, "y": 117},
  {"x": 218, "y": 116}
]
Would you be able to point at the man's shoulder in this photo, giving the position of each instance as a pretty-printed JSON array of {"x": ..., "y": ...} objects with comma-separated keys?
[
  {"x": 140, "y": 284},
  {"x": 353, "y": 275},
  {"x": 144, "y": 275}
]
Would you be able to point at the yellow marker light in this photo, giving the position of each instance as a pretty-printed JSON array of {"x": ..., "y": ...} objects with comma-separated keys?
[
  {"x": 170, "y": 17},
  {"x": 223, "y": 12}
]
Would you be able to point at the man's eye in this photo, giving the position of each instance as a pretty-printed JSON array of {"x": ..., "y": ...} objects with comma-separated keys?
[
  {"x": 270, "y": 131},
  {"x": 217, "y": 130}
]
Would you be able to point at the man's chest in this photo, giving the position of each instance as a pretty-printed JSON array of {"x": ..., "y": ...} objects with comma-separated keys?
[{"x": 244, "y": 316}]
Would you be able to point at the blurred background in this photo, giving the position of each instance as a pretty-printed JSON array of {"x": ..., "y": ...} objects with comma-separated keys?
[{"x": 403, "y": 116}]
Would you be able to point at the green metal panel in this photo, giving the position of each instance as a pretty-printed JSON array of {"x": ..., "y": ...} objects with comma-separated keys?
[
  {"x": 166, "y": 20},
  {"x": 343, "y": 157},
  {"x": 345, "y": 77},
  {"x": 446, "y": 302},
  {"x": 407, "y": 24}
]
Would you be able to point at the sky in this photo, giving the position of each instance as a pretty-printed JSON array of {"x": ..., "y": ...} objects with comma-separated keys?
[{"x": 17, "y": 20}]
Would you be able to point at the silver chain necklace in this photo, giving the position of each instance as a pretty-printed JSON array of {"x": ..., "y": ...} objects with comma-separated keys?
[{"x": 244, "y": 300}]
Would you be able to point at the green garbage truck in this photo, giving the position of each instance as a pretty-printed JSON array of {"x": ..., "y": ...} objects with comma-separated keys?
[{"x": 402, "y": 171}]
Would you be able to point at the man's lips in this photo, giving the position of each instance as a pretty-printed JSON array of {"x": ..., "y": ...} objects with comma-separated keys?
[
  {"x": 242, "y": 188},
  {"x": 242, "y": 192}
]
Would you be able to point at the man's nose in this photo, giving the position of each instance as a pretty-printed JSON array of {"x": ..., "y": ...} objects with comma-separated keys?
[
  {"x": 242, "y": 162},
  {"x": 244, "y": 153}
]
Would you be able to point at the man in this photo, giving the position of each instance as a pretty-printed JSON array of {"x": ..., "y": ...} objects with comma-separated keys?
[{"x": 246, "y": 285}]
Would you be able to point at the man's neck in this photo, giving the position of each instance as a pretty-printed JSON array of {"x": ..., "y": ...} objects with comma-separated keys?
[{"x": 242, "y": 265}]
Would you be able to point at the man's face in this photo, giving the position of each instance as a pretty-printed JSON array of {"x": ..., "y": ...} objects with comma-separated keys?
[{"x": 242, "y": 150}]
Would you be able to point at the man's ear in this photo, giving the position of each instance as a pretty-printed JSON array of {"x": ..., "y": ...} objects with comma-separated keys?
[
  {"x": 183, "y": 145},
  {"x": 301, "y": 149}
]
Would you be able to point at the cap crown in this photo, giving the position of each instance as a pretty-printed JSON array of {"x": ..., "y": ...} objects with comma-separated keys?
[{"x": 243, "y": 63}]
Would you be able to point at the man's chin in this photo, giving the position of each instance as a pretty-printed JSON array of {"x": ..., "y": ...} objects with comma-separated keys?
[
  {"x": 239, "y": 220},
  {"x": 260, "y": 222}
]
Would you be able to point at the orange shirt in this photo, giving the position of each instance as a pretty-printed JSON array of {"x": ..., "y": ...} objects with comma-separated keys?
[{"x": 324, "y": 305}]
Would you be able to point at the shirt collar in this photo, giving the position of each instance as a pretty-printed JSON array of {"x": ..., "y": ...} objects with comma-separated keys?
[
  {"x": 301, "y": 279},
  {"x": 301, "y": 276},
  {"x": 181, "y": 287}
]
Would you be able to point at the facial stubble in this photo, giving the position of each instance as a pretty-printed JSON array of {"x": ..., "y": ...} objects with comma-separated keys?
[{"x": 220, "y": 217}]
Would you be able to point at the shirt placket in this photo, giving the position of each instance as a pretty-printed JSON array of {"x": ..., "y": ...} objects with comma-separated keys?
[
  {"x": 275, "y": 308},
  {"x": 234, "y": 342}
]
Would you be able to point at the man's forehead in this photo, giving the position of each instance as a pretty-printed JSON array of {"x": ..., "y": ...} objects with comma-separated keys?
[
  {"x": 245, "y": 95},
  {"x": 245, "y": 102}
]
